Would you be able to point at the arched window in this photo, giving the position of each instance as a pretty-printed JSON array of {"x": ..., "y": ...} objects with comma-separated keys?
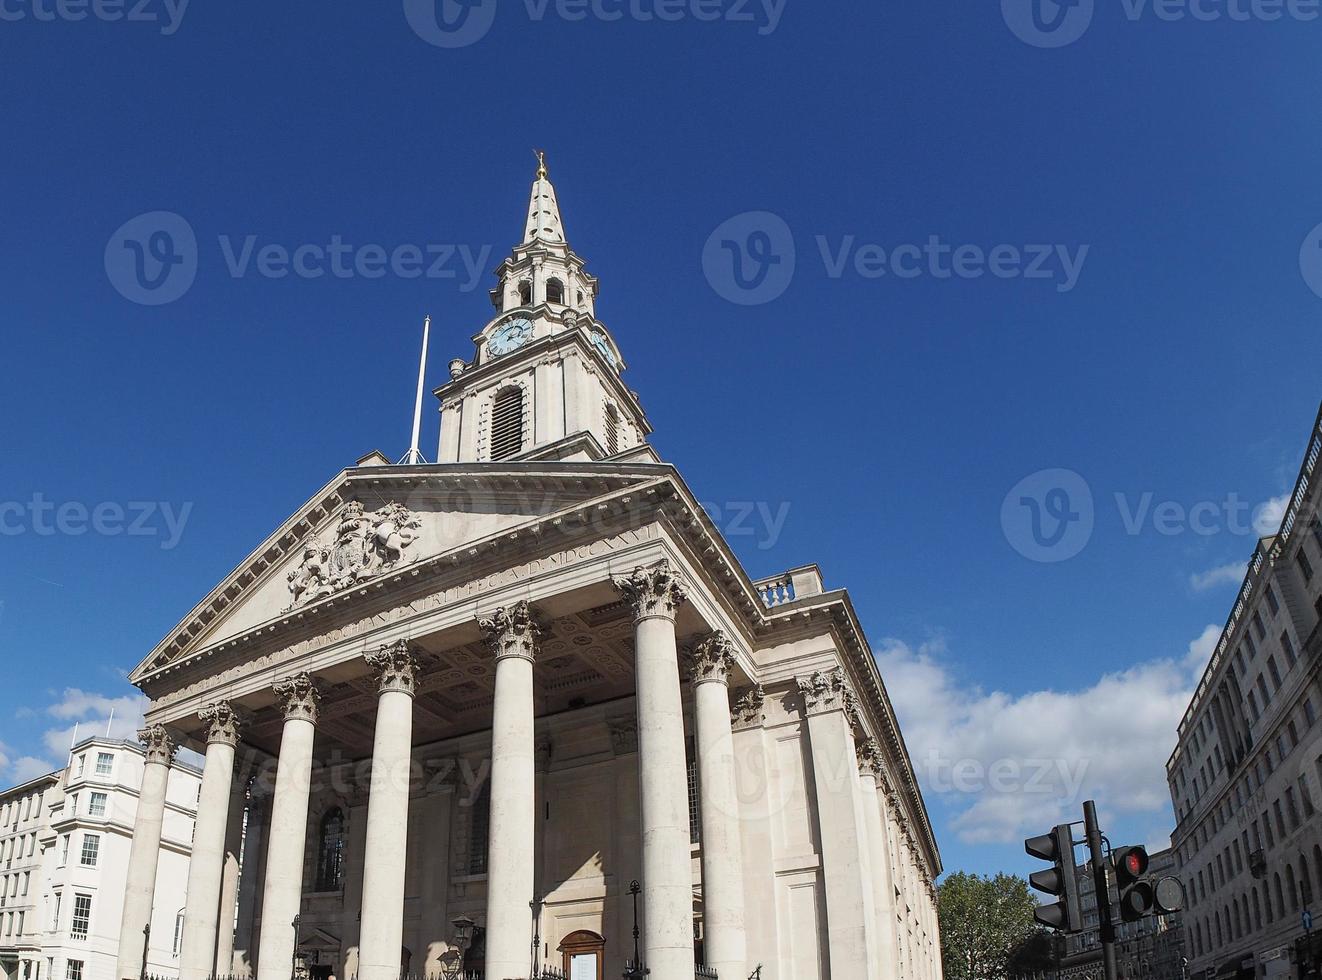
[
  {"x": 1280, "y": 895},
  {"x": 1294, "y": 890},
  {"x": 555, "y": 292},
  {"x": 507, "y": 423},
  {"x": 330, "y": 851},
  {"x": 525, "y": 293},
  {"x": 1257, "y": 910},
  {"x": 1305, "y": 882},
  {"x": 612, "y": 430},
  {"x": 479, "y": 821}
]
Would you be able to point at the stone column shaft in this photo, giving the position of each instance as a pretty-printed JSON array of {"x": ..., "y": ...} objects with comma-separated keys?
[
  {"x": 386, "y": 847},
  {"x": 656, "y": 594},
  {"x": 726, "y": 942},
  {"x": 229, "y": 878},
  {"x": 140, "y": 882},
  {"x": 850, "y": 911},
  {"x": 512, "y": 635},
  {"x": 282, "y": 893},
  {"x": 197, "y": 955},
  {"x": 874, "y": 811}
]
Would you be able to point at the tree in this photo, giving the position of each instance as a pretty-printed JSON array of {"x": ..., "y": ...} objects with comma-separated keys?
[{"x": 987, "y": 927}]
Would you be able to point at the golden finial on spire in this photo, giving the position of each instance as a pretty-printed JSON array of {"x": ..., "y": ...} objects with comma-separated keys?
[{"x": 541, "y": 164}]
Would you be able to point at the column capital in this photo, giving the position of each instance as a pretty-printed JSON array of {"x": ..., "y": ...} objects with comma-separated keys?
[
  {"x": 223, "y": 723},
  {"x": 827, "y": 690},
  {"x": 624, "y": 735},
  {"x": 395, "y": 666},
  {"x": 159, "y": 746},
  {"x": 711, "y": 659},
  {"x": 513, "y": 631},
  {"x": 298, "y": 696},
  {"x": 657, "y": 590},
  {"x": 869, "y": 757},
  {"x": 747, "y": 711}
]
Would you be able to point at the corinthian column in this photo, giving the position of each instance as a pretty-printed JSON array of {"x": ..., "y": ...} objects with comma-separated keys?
[
  {"x": 512, "y": 634},
  {"x": 850, "y": 915},
  {"x": 140, "y": 883},
  {"x": 385, "y": 850},
  {"x": 282, "y": 897},
  {"x": 883, "y": 888},
  {"x": 710, "y": 663},
  {"x": 197, "y": 956},
  {"x": 656, "y": 594}
]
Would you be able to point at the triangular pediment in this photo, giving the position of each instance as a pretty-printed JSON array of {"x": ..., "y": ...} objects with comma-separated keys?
[{"x": 376, "y": 521}]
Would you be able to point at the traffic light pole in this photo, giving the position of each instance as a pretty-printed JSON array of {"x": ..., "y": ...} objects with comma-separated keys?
[{"x": 1098, "y": 863}]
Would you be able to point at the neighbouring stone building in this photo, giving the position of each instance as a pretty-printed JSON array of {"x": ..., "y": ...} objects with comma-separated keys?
[
  {"x": 453, "y": 711},
  {"x": 1246, "y": 774},
  {"x": 65, "y": 858}
]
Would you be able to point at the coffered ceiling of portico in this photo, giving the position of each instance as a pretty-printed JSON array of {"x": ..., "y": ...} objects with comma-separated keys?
[{"x": 585, "y": 658}]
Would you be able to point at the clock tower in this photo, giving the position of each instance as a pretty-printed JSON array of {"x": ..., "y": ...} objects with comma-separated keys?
[{"x": 544, "y": 381}]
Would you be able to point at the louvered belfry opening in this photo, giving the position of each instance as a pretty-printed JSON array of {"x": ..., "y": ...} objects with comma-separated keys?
[
  {"x": 612, "y": 430},
  {"x": 507, "y": 424}
]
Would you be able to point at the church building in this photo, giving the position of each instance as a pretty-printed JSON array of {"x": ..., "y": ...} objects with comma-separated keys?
[{"x": 522, "y": 712}]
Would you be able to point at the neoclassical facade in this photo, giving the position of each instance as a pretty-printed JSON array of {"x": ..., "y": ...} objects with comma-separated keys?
[{"x": 498, "y": 709}]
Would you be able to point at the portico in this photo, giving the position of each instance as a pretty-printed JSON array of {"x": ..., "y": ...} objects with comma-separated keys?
[{"x": 499, "y": 690}]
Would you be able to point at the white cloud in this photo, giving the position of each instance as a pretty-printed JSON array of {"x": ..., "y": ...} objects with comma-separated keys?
[
  {"x": 1221, "y": 575},
  {"x": 29, "y": 767},
  {"x": 1268, "y": 516},
  {"x": 983, "y": 753},
  {"x": 77, "y": 705}
]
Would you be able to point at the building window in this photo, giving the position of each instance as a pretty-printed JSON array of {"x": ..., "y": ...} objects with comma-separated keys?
[
  {"x": 82, "y": 764},
  {"x": 1305, "y": 566},
  {"x": 612, "y": 430},
  {"x": 64, "y": 850},
  {"x": 55, "y": 912},
  {"x": 1271, "y": 600},
  {"x": 96, "y": 806},
  {"x": 555, "y": 292},
  {"x": 1274, "y": 671},
  {"x": 82, "y": 916},
  {"x": 105, "y": 761},
  {"x": 178, "y": 933},
  {"x": 330, "y": 851},
  {"x": 507, "y": 423},
  {"x": 74, "y": 970},
  {"x": 525, "y": 294},
  {"x": 479, "y": 822},
  {"x": 91, "y": 849}
]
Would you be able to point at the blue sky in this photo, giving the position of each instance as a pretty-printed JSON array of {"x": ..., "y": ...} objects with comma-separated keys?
[{"x": 1164, "y": 348}]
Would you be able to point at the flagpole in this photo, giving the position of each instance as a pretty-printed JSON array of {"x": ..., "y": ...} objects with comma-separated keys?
[{"x": 414, "y": 455}]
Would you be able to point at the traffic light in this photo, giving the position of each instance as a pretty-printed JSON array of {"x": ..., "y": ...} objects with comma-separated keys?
[
  {"x": 1136, "y": 896},
  {"x": 1058, "y": 848}
]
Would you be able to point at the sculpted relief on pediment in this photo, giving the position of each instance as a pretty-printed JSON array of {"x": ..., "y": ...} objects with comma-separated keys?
[{"x": 363, "y": 545}]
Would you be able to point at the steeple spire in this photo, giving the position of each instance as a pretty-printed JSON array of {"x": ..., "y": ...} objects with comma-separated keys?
[{"x": 544, "y": 222}]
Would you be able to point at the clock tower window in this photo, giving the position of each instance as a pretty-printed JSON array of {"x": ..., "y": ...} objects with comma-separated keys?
[
  {"x": 507, "y": 423},
  {"x": 555, "y": 292},
  {"x": 525, "y": 293},
  {"x": 612, "y": 430}
]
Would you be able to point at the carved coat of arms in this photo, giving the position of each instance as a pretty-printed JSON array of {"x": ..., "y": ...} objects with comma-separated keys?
[{"x": 363, "y": 545}]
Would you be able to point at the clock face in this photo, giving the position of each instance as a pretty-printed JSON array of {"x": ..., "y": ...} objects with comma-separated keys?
[
  {"x": 604, "y": 348},
  {"x": 510, "y": 336}
]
